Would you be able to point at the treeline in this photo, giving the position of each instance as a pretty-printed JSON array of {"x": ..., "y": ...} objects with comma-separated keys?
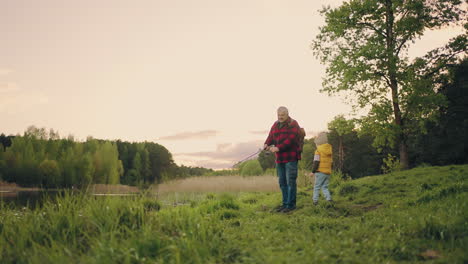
[
  {"x": 440, "y": 141},
  {"x": 42, "y": 158},
  {"x": 357, "y": 153}
]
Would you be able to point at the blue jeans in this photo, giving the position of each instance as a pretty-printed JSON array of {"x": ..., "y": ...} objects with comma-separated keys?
[
  {"x": 321, "y": 182},
  {"x": 287, "y": 176}
]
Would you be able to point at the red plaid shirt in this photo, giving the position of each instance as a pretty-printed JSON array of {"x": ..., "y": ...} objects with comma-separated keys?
[{"x": 286, "y": 140}]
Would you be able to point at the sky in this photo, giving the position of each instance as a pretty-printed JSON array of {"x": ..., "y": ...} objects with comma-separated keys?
[{"x": 202, "y": 78}]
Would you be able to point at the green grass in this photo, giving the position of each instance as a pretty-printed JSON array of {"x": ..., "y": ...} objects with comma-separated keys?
[{"x": 419, "y": 215}]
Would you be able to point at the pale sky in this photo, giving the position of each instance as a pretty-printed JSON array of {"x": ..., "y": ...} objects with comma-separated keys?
[{"x": 202, "y": 78}]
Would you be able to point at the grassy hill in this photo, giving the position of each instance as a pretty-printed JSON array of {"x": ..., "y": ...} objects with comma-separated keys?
[{"x": 417, "y": 215}]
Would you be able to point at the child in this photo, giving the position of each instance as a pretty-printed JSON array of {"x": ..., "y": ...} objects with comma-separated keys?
[{"x": 322, "y": 167}]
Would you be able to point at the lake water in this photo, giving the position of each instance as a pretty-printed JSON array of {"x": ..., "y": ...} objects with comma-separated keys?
[{"x": 178, "y": 188}]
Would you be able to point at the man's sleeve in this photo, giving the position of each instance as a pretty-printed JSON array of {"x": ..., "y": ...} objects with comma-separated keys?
[{"x": 316, "y": 163}]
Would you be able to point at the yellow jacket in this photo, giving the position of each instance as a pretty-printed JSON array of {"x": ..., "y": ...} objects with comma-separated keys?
[{"x": 324, "y": 155}]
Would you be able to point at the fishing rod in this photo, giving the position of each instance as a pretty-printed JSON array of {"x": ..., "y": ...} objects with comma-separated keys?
[{"x": 256, "y": 153}]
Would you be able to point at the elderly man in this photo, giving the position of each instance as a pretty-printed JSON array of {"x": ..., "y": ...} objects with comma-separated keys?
[{"x": 283, "y": 140}]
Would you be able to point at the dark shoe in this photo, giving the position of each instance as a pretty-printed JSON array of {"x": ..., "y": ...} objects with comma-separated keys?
[
  {"x": 330, "y": 201},
  {"x": 315, "y": 202},
  {"x": 287, "y": 210},
  {"x": 279, "y": 208}
]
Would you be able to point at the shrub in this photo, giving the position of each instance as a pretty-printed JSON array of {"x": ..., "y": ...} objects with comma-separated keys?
[
  {"x": 391, "y": 164},
  {"x": 251, "y": 168}
]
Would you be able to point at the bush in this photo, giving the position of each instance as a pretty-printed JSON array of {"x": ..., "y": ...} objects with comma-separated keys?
[
  {"x": 391, "y": 164},
  {"x": 251, "y": 168}
]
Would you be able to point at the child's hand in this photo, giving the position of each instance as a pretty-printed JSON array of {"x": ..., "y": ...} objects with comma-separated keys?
[{"x": 311, "y": 174}]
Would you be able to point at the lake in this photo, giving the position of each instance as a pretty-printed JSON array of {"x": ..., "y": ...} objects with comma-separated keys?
[{"x": 172, "y": 192}]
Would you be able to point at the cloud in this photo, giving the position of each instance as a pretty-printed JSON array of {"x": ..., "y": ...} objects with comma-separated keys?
[
  {"x": 191, "y": 135},
  {"x": 224, "y": 156}
]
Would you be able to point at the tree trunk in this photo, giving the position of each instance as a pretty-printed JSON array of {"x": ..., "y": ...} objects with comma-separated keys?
[
  {"x": 404, "y": 163},
  {"x": 393, "y": 83},
  {"x": 340, "y": 153}
]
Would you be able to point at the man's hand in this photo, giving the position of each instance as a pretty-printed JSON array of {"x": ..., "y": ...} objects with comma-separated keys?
[
  {"x": 311, "y": 174},
  {"x": 274, "y": 149},
  {"x": 265, "y": 147}
]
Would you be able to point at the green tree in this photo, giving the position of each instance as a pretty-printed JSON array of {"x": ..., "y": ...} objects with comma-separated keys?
[
  {"x": 365, "y": 47},
  {"x": 362, "y": 158},
  {"x": 308, "y": 152},
  {"x": 145, "y": 171},
  {"x": 137, "y": 166},
  {"x": 86, "y": 170},
  {"x": 341, "y": 127},
  {"x": 2, "y": 163},
  {"x": 160, "y": 161},
  {"x": 49, "y": 172},
  {"x": 68, "y": 165},
  {"x": 447, "y": 139},
  {"x": 28, "y": 169},
  {"x": 5, "y": 141},
  {"x": 110, "y": 163}
]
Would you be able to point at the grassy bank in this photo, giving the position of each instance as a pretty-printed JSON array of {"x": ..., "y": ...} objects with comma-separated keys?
[{"x": 410, "y": 216}]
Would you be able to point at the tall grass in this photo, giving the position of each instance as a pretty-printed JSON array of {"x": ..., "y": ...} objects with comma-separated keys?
[{"x": 409, "y": 216}]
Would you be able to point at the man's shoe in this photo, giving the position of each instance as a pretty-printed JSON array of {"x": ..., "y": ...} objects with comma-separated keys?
[
  {"x": 315, "y": 202},
  {"x": 287, "y": 210},
  {"x": 279, "y": 208}
]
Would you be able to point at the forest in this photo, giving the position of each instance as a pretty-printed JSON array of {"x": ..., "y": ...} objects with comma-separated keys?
[{"x": 42, "y": 158}]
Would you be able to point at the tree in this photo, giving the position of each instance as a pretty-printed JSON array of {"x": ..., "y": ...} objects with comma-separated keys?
[
  {"x": 145, "y": 165},
  {"x": 86, "y": 170},
  {"x": 364, "y": 45},
  {"x": 2, "y": 163},
  {"x": 68, "y": 166},
  {"x": 136, "y": 175},
  {"x": 50, "y": 173},
  {"x": 308, "y": 152},
  {"x": 39, "y": 133},
  {"x": 5, "y": 141},
  {"x": 110, "y": 167},
  {"x": 447, "y": 139},
  {"x": 160, "y": 161},
  {"x": 53, "y": 135},
  {"x": 341, "y": 127}
]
